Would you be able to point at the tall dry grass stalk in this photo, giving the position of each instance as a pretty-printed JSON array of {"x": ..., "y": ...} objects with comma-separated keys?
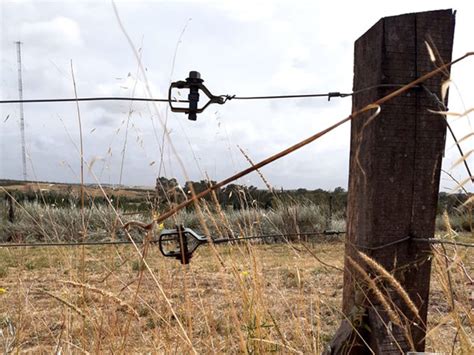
[
  {"x": 81, "y": 163},
  {"x": 391, "y": 280},
  {"x": 104, "y": 293},
  {"x": 457, "y": 290},
  {"x": 64, "y": 302},
  {"x": 372, "y": 286},
  {"x": 386, "y": 305}
]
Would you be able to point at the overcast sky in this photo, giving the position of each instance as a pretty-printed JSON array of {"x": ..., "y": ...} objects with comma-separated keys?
[{"x": 243, "y": 48}]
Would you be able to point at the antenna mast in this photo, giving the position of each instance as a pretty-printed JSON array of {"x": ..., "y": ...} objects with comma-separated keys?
[{"x": 22, "y": 116}]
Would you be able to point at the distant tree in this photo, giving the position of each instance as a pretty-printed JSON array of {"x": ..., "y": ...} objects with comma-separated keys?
[
  {"x": 200, "y": 186},
  {"x": 339, "y": 190},
  {"x": 167, "y": 189}
]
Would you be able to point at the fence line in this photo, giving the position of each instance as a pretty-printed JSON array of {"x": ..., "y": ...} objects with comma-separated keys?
[{"x": 239, "y": 239}]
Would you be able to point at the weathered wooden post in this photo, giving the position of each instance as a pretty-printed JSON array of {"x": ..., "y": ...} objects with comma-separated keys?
[
  {"x": 329, "y": 216},
  {"x": 395, "y": 166},
  {"x": 11, "y": 208}
]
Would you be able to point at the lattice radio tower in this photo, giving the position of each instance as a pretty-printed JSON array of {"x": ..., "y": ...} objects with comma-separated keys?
[{"x": 22, "y": 116}]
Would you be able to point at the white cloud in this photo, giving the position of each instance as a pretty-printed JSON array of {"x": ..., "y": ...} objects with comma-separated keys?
[
  {"x": 58, "y": 32},
  {"x": 244, "y": 48},
  {"x": 247, "y": 10}
]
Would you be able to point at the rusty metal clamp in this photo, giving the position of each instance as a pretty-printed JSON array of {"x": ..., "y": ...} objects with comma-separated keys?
[
  {"x": 180, "y": 243},
  {"x": 194, "y": 83}
]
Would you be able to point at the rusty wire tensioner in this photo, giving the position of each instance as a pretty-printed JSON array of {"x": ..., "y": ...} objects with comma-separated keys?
[
  {"x": 194, "y": 83},
  {"x": 180, "y": 243}
]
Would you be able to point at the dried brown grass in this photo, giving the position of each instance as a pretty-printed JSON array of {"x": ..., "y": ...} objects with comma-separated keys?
[{"x": 262, "y": 298}]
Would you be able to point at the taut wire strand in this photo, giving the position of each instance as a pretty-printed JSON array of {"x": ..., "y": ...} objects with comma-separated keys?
[{"x": 310, "y": 139}]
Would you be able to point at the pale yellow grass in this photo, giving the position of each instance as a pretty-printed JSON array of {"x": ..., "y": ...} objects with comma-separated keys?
[{"x": 265, "y": 298}]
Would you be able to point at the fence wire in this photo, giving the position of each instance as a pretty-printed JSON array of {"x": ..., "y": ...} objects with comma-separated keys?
[{"x": 245, "y": 238}]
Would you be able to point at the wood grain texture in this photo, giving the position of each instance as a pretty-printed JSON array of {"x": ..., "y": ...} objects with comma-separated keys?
[{"x": 395, "y": 163}]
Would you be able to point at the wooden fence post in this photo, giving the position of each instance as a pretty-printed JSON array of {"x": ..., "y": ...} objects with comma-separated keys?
[
  {"x": 395, "y": 164},
  {"x": 11, "y": 208},
  {"x": 329, "y": 216}
]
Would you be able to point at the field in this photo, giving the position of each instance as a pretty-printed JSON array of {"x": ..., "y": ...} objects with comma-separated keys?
[
  {"x": 82, "y": 266},
  {"x": 248, "y": 298},
  {"x": 251, "y": 297},
  {"x": 75, "y": 189}
]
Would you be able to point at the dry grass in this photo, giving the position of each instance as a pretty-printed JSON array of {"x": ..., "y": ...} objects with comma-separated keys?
[
  {"x": 452, "y": 298},
  {"x": 264, "y": 298},
  {"x": 268, "y": 296},
  {"x": 35, "y": 221},
  {"x": 249, "y": 298}
]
